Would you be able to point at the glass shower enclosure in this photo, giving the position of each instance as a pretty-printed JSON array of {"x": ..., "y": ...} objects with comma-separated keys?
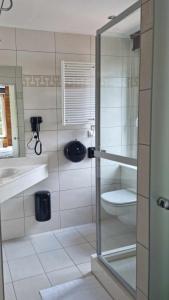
[{"x": 117, "y": 90}]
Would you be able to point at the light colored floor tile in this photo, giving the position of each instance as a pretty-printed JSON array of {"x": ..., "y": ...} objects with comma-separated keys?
[
  {"x": 80, "y": 253},
  {"x": 18, "y": 248},
  {"x": 69, "y": 237},
  {"x": 88, "y": 231},
  {"x": 85, "y": 288},
  {"x": 28, "y": 289},
  {"x": 9, "y": 292},
  {"x": 61, "y": 276},
  {"x": 93, "y": 244},
  {"x": 45, "y": 242},
  {"x": 85, "y": 269},
  {"x": 25, "y": 267},
  {"x": 7, "y": 275},
  {"x": 55, "y": 260}
]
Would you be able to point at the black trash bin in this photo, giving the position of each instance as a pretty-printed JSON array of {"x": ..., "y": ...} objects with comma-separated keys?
[{"x": 43, "y": 206}]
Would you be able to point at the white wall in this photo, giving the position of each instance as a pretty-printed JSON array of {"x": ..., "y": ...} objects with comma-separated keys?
[{"x": 40, "y": 54}]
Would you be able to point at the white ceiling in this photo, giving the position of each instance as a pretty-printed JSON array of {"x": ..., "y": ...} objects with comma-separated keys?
[{"x": 74, "y": 16}]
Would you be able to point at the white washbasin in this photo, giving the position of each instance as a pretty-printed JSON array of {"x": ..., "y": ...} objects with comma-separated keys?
[
  {"x": 19, "y": 174},
  {"x": 8, "y": 172}
]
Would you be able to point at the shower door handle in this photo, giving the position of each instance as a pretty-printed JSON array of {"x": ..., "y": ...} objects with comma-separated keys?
[{"x": 163, "y": 203}]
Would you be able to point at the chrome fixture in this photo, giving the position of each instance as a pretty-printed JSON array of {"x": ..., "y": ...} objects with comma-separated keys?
[{"x": 6, "y": 8}]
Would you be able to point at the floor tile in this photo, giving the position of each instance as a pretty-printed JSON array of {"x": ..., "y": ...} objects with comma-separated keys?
[
  {"x": 9, "y": 292},
  {"x": 85, "y": 269},
  {"x": 93, "y": 244},
  {"x": 80, "y": 253},
  {"x": 25, "y": 267},
  {"x": 28, "y": 289},
  {"x": 64, "y": 275},
  {"x": 45, "y": 242},
  {"x": 88, "y": 231},
  {"x": 7, "y": 275},
  {"x": 18, "y": 248},
  {"x": 55, "y": 260},
  {"x": 69, "y": 237}
]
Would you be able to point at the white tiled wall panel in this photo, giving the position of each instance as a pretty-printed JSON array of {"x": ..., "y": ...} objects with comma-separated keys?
[{"x": 39, "y": 54}]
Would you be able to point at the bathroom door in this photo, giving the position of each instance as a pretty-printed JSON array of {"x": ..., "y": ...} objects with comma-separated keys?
[
  {"x": 117, "y": 77},
  {"x": 159, "y": 213}
]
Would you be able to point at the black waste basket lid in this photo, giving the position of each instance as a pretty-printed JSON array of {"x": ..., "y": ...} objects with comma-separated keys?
[{"x": 75, "y": 151}]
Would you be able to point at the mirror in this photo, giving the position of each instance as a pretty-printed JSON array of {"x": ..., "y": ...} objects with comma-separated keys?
[{"x": 11, "y": 112}]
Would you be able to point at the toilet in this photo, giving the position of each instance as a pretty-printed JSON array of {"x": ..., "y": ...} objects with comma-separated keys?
[{"x": 122, "y": 204}]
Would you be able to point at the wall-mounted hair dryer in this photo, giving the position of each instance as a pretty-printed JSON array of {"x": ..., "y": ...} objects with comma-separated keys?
[{"x": 35, "y": 139}]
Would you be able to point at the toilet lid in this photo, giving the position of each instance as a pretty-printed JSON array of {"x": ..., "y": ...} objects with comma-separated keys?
[{"x": 119, "y": 197}]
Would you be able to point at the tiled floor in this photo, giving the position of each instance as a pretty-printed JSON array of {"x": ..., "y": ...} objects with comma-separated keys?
[
  {"x": 48, "y": 259},
  {"x": 45, "y": 260}
]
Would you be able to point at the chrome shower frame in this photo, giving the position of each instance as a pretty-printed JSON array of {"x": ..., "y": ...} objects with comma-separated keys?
[{"x": 99, "y": 153}]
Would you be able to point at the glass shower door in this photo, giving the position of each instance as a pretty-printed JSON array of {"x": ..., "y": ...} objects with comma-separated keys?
[
  {"x": 117, "y": 72},
  {"x": 159, "y": 188}
]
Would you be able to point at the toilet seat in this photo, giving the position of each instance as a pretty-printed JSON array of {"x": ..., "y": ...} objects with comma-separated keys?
[{"x": 120, "y": 197}]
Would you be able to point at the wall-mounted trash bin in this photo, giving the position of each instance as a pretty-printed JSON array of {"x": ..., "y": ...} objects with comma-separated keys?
[{"x": 42, "y": 206}]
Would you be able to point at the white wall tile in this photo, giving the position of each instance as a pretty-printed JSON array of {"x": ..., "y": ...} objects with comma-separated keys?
[
  {"x": 142, "y": 269},
  {"x": 65, "y": 164},
  {"x": 51, "y": 184},
  {"x": 75, "y": 198},
  {"x": 147, "y": 16},
  {"x": 146, "y": 60},
  {"x": 42, "y": 97},
  {"x": 65, "y": 136},
  {"x": 32, "y": 226},
  {"x": 110, "y": 117},
  {"x": 143, "y": 170},
  {"x": 93, "y": 44},
  {"x": 12, "y": 229},
  {"x": 144, "y": 117},
  {"x": 49, "y": 117},
  {"x": 35, "y": 40},
  {"x": 72, "y": 43},
  {"x": 143, "y": 221},
  {"x": 76, "y": 216},
  {"x": 7, "y": 58},
  {"x": 48, "y": 139},
  {"x": 52, "y": 161},
  {"x": 111, "y": 66},
  {"x": 36, "y": 63},
  {"x": 12, "y": 209},
  {"x": 75, "y": 179},
  {"x": 7, "y": 38},
  {"x": 111, "y": 97},
  {"x": 29, "y": 203},
  {"x": 111, "y": 46},
  {"x": 110, "y": 137}
]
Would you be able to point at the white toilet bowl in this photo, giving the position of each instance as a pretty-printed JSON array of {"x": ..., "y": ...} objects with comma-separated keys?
[{"x": 122, "y": 204}]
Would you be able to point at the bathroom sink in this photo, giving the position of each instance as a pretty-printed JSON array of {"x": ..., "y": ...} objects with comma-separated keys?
[
  {"x": 4, "y": 173},
  {"x": 19, "y": 174}
]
